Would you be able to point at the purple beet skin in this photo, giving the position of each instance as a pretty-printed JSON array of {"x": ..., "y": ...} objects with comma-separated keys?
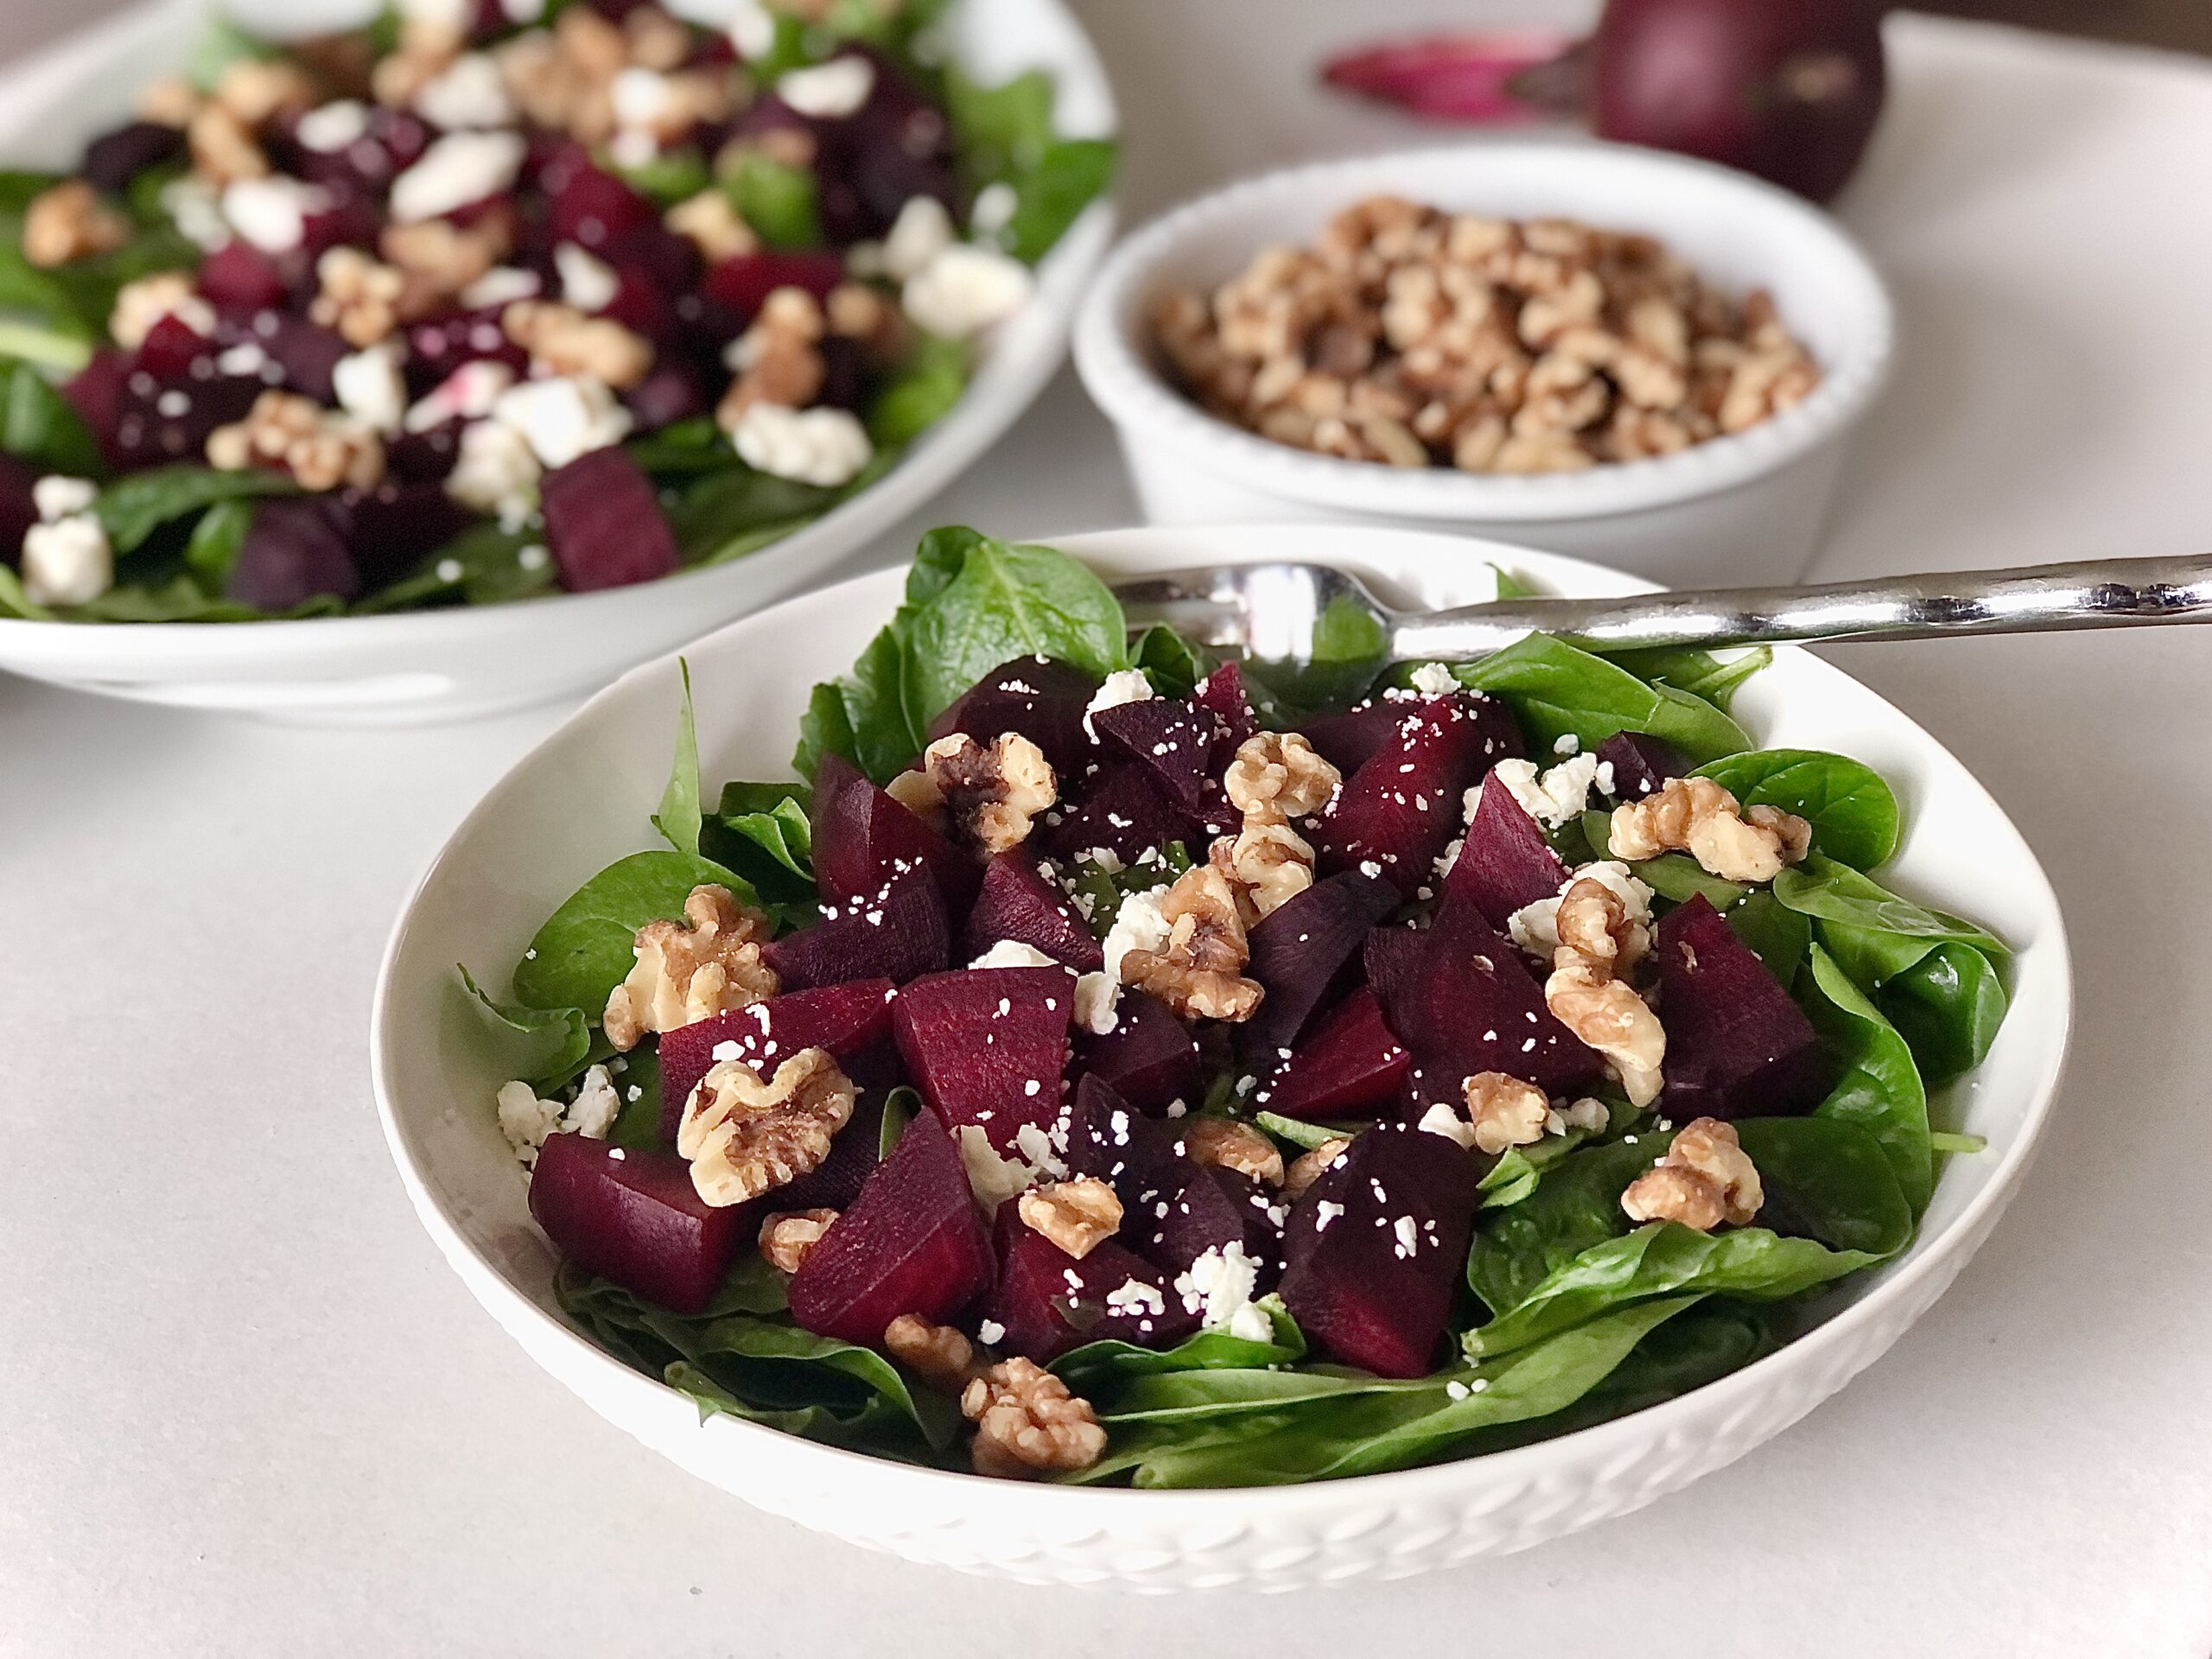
[
  {"x": 1049, "y": 1301},
  {"x": 1042, "y": 699},
  {"x": 631, "y": 1216},
  {"x": 852, "y": 1020},
  {"x": 1376, "y": 1248},
  {"x": 1641, "y": 764},
  {"x": 1301, "y": 951},
  {"x": 862, "y": 838},
  {"x": 1222, "y": 691},
  {"x": 1349, "y": 1066},
  {"x": 1737, "y": 1046},
  {"x": 603, "y": 523},
  {"x": 911, "y": 1242},
  {"x": 291, "y": 554},
  {"x": 1504, "y": 862},
  {"x": 898, "y": 932},
  {"x": 1400, "y": 809},
  {"x": 1149, "y": 1058},
  {"x": 1018, "y": 901},
  {"x": 988, "y": 1045}
]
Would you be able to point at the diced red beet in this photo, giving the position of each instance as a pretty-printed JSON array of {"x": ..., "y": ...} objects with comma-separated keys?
[
  {"x": 158, "y": 421},
  {"x": 1017, "y": 901},
  {"x": 1179, "y": 744},
  {"x": 657, "y": 256},
  {"x": 603, "y": 523},
  {"x": 911, "y": 1242},
  {"x": 844, "y": 373},
  {"x": 632, "y": 1215},
  {"x": 1049, "y": 1301},
  {"x": 592, "y": 208},
  {"x": 862, "y": 838},
  {"x": 168, "y": 350},
  {"x": 116, "y": 157},
  {"x": 1737, "y": 1045},
  {"x": 96, "y": 392},
  {"x": 1348, "y": 740},
  {"x": 1149, "y": 1058},
  {"x": 1110, "y": 1138},
  {"x": 1129, "y": 814},
  {"x": 1042, "y": 699},
  {"x": 895, "y": 147},
  {"x": 1641, "y": 764},
  {"x": 1376, "y": 1248},
  {"x": 837, "y": 1181},
  {"x": 1302, "y": 952},
  {"x": 1400, "y": 809},
  {"x": 291, "y": 554},
  {"x": 438, "y": 347},
  {"x": 1210, "y": 1209},
  {"x": 670, "y": 393},
  {"x": 988, "y": 1045},
  {"x": 896, "y": 932},
  {"x": 1504, "y": 862},
  {"x": 390, "y": 528},
  {"x": 852, "y": 1020},
  {"x": 640, "y": 307},
  {"x": 237, "y": 277},
  {"x": 1461, "y": 1001},
  {"x": 744, "y": 283},
  {"x": 305, "y": 353},
  {"x": 348, "y": 217},
  {"x": 1222, "y": 691},
  {"x": 18, "y": 509},
  {"x": 425, "y": 457},
  {"x": 1350, "y": 1065},
  {"x": 393, "y": 142}
]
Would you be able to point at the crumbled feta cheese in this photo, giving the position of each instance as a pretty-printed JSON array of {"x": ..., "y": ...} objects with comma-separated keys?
[
  {"x": 467, "y": 394},
  {"x": 965, "y": 289},
  {"x": 1434, "y": 680},
  {"x": 923, "y": 230},
  {"x": 587, "y": 282},
  {"x": 640, "y": 97},
  {"x": 1098, "y": 997},
  {"x": 596, "y": 1106},
  {"x": 1123, "y": 686},
  {"x": 1559, "y": 794},
  {"x": 67, "y": 561},
  {"x": 752, "y": 28},
  {"x": 824, "y": 446},
  {"x": 57, "y": 497},
  {"x": 453, "y": 16},
  {"x": 993, "y": 1178},
  {"x": 196, "y": 211},
  {"x": 990, "y": 1333},
  {"x": 1621, "y": 882},
  {"x": 495, "y": 471},
  {"x": 526, "y": 1121},
  {"x": 1012, "y": 953},
  {"x": 469, "y": 92},
  {"x": 563, "y": 417},
  {"x": 827, "y": 92},
  {"x": 1324, "y": 1213},
  {"x": 370, "y": 387},
  {"x": 633, "y": 147},
  {"x": 1566, "y": 743},
  {"x": 459, "y": 168},
  {"x": 993, "y": 211},
  {"x": 498, "y": 286},
  {"x": 1218, "y": 1286},
  {"x": 1133, "y": 1296},
  {"x": 272, "y": 213},
  {"x": 1441, "y": 1118},
  {"x": 330, "y": 127},
  {"x": 1408, "y": 1239},
  {"x": 1138, "y": 925}
]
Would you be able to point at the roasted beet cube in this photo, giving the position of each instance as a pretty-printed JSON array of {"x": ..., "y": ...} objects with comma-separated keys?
[
  {"x": 592, "y": 208},
  {"x": 1049, "y": 1301},
  {"x": 1222, "y": 691},
  {"x": 603, "y": 523},
  {"x": 291, "y": 554},
  {"x": 97, "y": 393},
  {"x": 390, "y": 528},
  {"x": 1127, "y": 814},
  {"x": 1182, "y": 746},
  {"x": 1019, "y": 901},
  {"x": 1504, "y": 862},
  {"x": 1111, "y": 1139},
  {"x": 1301, "y": 953},
  {"x": 436, "y": 347},
  {"x": 18, "y": 509},
  {"x": 1400, "y": 809},
  {"x": 238, "y": 279},
  {"x": 743, "y": 283},
  {"x": 1209, "y": 1208},
  {"x": 115, "y": 158},
  {"x": 1042, "y": 699},
  {"x": 670, "y": 393},
  {"x": 1737, "y": 1045},
  {"x": 1350, "y": 1065},
  {"x": 862, "y": 839},
  {"x": 898, "y": 932},
  {"x": 911, "y": 1242},
  {"x": 988, "y": 1045},
  {"x": 1149, "y": 1057},
  {"x": 852, "y": 1020},
  {"x": 837, "y": 1179},
  {"x": 1376, "y": 1248},
  {"x": 1641, "y": 764},
  {"x": 158, "y": 421},
  {"x": 631, "y": 1216},
  {"x": 169, "y": 349}
]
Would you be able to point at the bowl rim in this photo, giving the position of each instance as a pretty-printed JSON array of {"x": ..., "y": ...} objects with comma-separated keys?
[
  {"x": 1943, "y": 1253},
  {"x": 1120, "y": 373}
]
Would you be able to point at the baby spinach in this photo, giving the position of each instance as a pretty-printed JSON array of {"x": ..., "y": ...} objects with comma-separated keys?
[
  {"x": 678, "y": 818},
  {"x": 1105, "y": 1372},
  {"x": 1559, "y": 692},
  {"x": 1575, "y": 1206},
  {"x": 213, "y": 550},
  {"x": 638, "y": 1080},
  {"x": 1833, "y": 893},
  {"x": 1049, "y": 196},
  {"x": 1778, "y": 936},
  {"x": 777, "y": 200},
  {"x": 1880, "y": 1090},
  {"x": 1828, "y": 1180},
  {"x": 1853, "y": 815},
  {"x": 131, "y": 509},
  {"x": 1948, "y": 1007},
  {"x": 921, "y": 392},
  {"x": 899, "y": 1108},
  {"x": 1701, "y": 673},
  {"x": 1171, "y": 663},
  {"x": 38, "y": 425},
  {"x": 485, "y": 564},
  {"x": 733, "y": 511},
  {"x": 1300, "y": 1132},
  {"x": 1518, "y": 1170},
  {"x": 584, "y": 951},
  {"x": 761, "y": 831},
  {"x": 554, "y": 1044}
]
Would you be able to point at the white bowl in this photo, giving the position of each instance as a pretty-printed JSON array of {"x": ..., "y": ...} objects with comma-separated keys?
[
  {"x": 410, "y": 668},
  {"x": 1739, "y": 511},
  {"x": 579, "y": 801}
]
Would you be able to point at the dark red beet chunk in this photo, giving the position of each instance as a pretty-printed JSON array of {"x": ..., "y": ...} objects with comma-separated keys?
[
  {"x": 1301, "y": 952},
  {"x": 592, "y": 208},
  {"x": 862, "y": 838},
  {"x": 988, "y": 1045},
  {"x": 1129, "y": 814},
  {"x": 391, "y": 529},
  {"x": 631, "y": 1216},
  {"x": 1179, "y": 744},
  {"x": 1402, "y": 808},
  {"x": 1149, "y": 1058},
  {"x": 1112, "y": 1139},
  {"x": 852, "y": 1020},
  {"x": 1504, "y": 862},
  {"x": 291, "y": 554},
  {"x": 1210, "y": 1209},
  {"x": 168, "y": 349},
  {"x": 436, "y": 349},
  {"x": 837, "y": 1181},
  {"x": 1641, "y": 764},
  {"x": 1050, "y": 1301},
  {"x": 603, "y": 524},
  {"x": 236, "y": 278},
  {"x": 897, "y": 933},
  {"x": 1222, "y": 691},
  {"x": 1019, "y": 902},
  {"x": 744, "y": 283},
  {"x": 1350, "y": 1066},
  {"x": 115, "y": 158},
  {"x": 1349, "y": 741},
  {"x": 1370, "y": 1279},
  {"x": 911, "y": 1242},
  {"x": 1737, "y": 1046},
  {"x": 96, "y": 392},
  {"x": 1041, "y": 699},
  {"x": 18, "y": 510}
]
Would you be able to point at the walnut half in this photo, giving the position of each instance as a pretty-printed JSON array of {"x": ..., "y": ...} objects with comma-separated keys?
[
  {"x": 745, "y": 1137},
  {"x": 1198, "y": 968},
  {"x": 1606, "y": 1014},
  {"x": 1231, "y": 1145},
  {"x": 1697, "y": 816},
  {"x": 1079, "y": 1215},
  {"x": 941, "y": 1356},
  {"x": 1276, "y": 775},
  {"x": 1505, "y": 1111},
  {"x": 1027, "y": 1424},
  {"x": 707, "y": 964},
  {"x": 787, "y": 1235},
  {"x": 988, "y": 795},
  {"x": 1706, "y": 1179}
]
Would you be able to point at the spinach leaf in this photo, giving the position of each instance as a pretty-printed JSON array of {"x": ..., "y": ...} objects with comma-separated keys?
[
  {"x": 638, "y": 1081},
  {"x": 1052, "y": 194},
  {"x": 556, "y": 1041},
  {"x": 1779, "y": 937},
  {"x": 776, "y": 200},
  {"x": 59, "y": 348},
  {"x": 485, "y": 564},
  {"x": 1948, "y": 1007},
  {"x": 1830, "y": 892},
  {"x": 1880, "y": 1090},
  {"x": 1577, "y": 1206},
  {"x": 1701, "y": 673},
  {"x": 131, "y": 509},
  {"x": 669, "y": 176},
  {"x": 38, "y": 425},
  {"x": 1300, "y": 1132},
  {"x": 13, "y": 601},
  {"x": 921, "y": 393},
  {"x": 213, "y": 552},
  {"x": 180, "y": 599},
  {"x": 684, "y": 449},
  {"x": 899, "y": 1108},
  {"x": 1558, "y": 690},
  {"x": 1002, "y": 131},
  {"x": 825, "y": 727},
  {"x": 772, "y": 1363},
  {"x": 1171, "y": 663},
  {"x": 761, "y": 831},
  {"x": 728, "y": 513},
  {"x": 584, "y": 951},
  {"x": 678, "y": 818},
  {"x": 1008, "y": 601},
  {"x": 1103, "y": 1372},
  {"x": 1518, "y": 1170},
  {"x": 1828, "y": 1180},
  {"x": 1853, "y": 815}
]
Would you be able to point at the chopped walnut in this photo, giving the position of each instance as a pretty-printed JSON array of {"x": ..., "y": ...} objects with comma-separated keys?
[
  {"x": 255, "y": 91},
  {"x": 1307, "y": 1168},
  {"x": 564, "y": 340},
  {"x": 1079, "y": 1215},
  {"x": 140, "y": 305},
  {"x": 1276, "y": 775},
  {"x": 989, "y": 795},
  {"x": 224, "y": 149},
  {"x": 172, "y": 101},
  {"x": 439, "y": 259},
  {"x": 778, "y": 359},
  {"x": 285, "y": 432},
  {"x": 1704, "y": 1179},
  {"x": 861, "y": 314},
  {"x": 564, "y": 78},
  {"x": 359, "y": 296},
  {"x": 1027, "y": 1424},
  {"x": 69, "y": 221},
  {"x": 1231, "y": 1145},
  {"x": 710, "y": 223},
  {"x": 1198, "y": 968},
  {"x": 1505, "y": 1111},
  {"x": 745, "y": 1137},
  {"x": 655, "y": 39},
  {"x": 707, "y": 964},
  {"x": 942, "y": 1356},
  {"x": 786, "y": 1237},
  {"x": 426, "y": 49},
  {"x": 1268, "y": 864},
  {"x": 1594, "y": 923},
  {"x": 1697, "y": 816},
  {"x": 1607, "y": 1015}
]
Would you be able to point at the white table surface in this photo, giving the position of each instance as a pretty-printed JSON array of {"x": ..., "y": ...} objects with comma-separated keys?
[{"x": 246, "y": 1409}]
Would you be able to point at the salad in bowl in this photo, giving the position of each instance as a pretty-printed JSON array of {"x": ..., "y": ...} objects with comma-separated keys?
[{"x": 1106, "y": 1065}]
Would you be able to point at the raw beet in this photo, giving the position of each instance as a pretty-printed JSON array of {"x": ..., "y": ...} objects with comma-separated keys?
[
  {"x": 153, "y": 428},
  {"x": 1149, "y": 1057},
  {"x": 631, "y": 1216},
  {"x": 911, "y": 1242},
  {"x": 862, "y": 838},
  {"x": 1017, "y": 901},
  {"x": 1299, "y": 953},
  {"x": 1049, "y": 1301},
  {"x": 603, "y": 523},
  {"x": 1178, "y": 745},
  {"x": 1737, "y": 1046},
  {"x": 852, "y": 1020},
  {"x": 1042, "y": 699},
  {"x": 237, "y": 278},
  {"x": 1400, "y": 809},
  {"x": 1371, "y": 1276},
  {"x": 1222, "y": 691},
  {"x": 18, "y": 509},
  {"x": 896, "y": 933},
  {"x": 744, "y": 283},
  {"x": 988, "y": 1045},
  {"x": 1504, "y": 862},
  {"x": 116, "y": 157},
  {"x": 1641, "y": 764},
  {"x": 390, "y": 528},
  {"x": 1349, "y": 1066},
  {"x": 1129, "y": 814},
  {"x": 291, "y": 554}
]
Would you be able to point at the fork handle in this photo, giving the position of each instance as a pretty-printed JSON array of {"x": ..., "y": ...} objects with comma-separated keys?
[{"x": 2035, "y": 598}]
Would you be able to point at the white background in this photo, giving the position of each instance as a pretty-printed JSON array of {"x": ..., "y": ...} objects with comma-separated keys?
[{"x": 245, "y": 1409}]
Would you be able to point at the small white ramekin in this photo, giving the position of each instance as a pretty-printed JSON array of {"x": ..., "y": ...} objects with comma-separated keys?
[{"x": 1740, "y": 510}]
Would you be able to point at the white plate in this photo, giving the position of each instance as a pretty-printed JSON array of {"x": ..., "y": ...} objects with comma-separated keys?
[
  {"x": 453, "y": 665},
  {"x": 579, "y": 801}
]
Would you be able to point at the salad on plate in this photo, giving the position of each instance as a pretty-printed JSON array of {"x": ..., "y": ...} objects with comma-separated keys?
[
  {"x": 1118, "y": 1065},
  {"x": 486, "y": 301}
]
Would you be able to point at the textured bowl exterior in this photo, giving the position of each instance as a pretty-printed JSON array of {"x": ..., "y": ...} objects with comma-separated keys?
[{"x": 579, "y": 800}]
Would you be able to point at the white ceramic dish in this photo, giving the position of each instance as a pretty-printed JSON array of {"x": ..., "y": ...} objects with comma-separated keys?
[
  {"x": 453, "y": 665},
  {"x": 1739, "y": 511},
  {"x": 579, "y": 800}
]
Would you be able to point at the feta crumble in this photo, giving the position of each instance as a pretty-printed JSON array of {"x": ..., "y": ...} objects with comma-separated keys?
[
  {"x": 369, "y": 388},
  {"x": 827, "y": 92},
  {"x": 563, "y": 417},
  {"x": 587, "y": 282},
  {"x": 68, "y": 561},
  {"x": 1434, "y": 680},
  {"x": 272, "y": 213},
  {"x": 329, "y": 127},
  {"x": 459, "y": 168},
  {"x": 1138, "y": 925},
  {"x": 823, "y": 447},
  {"x": 923, "y": 230},
  {"x": 469, "y": 92},
  {"x": 1218, "y": 1288},
  {"x": 1012, "y": 953},
  {"x": 1123, "y": 686},
  {"x": 1453, "y": 1125},
  {"x": 965, "y": 289},
  {"x": 1561, "y": 793},
  {"x": 1098, "y": 997}
]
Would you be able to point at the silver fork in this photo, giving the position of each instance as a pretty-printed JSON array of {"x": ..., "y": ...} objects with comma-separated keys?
[{"x": 1271, "y": 610}]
